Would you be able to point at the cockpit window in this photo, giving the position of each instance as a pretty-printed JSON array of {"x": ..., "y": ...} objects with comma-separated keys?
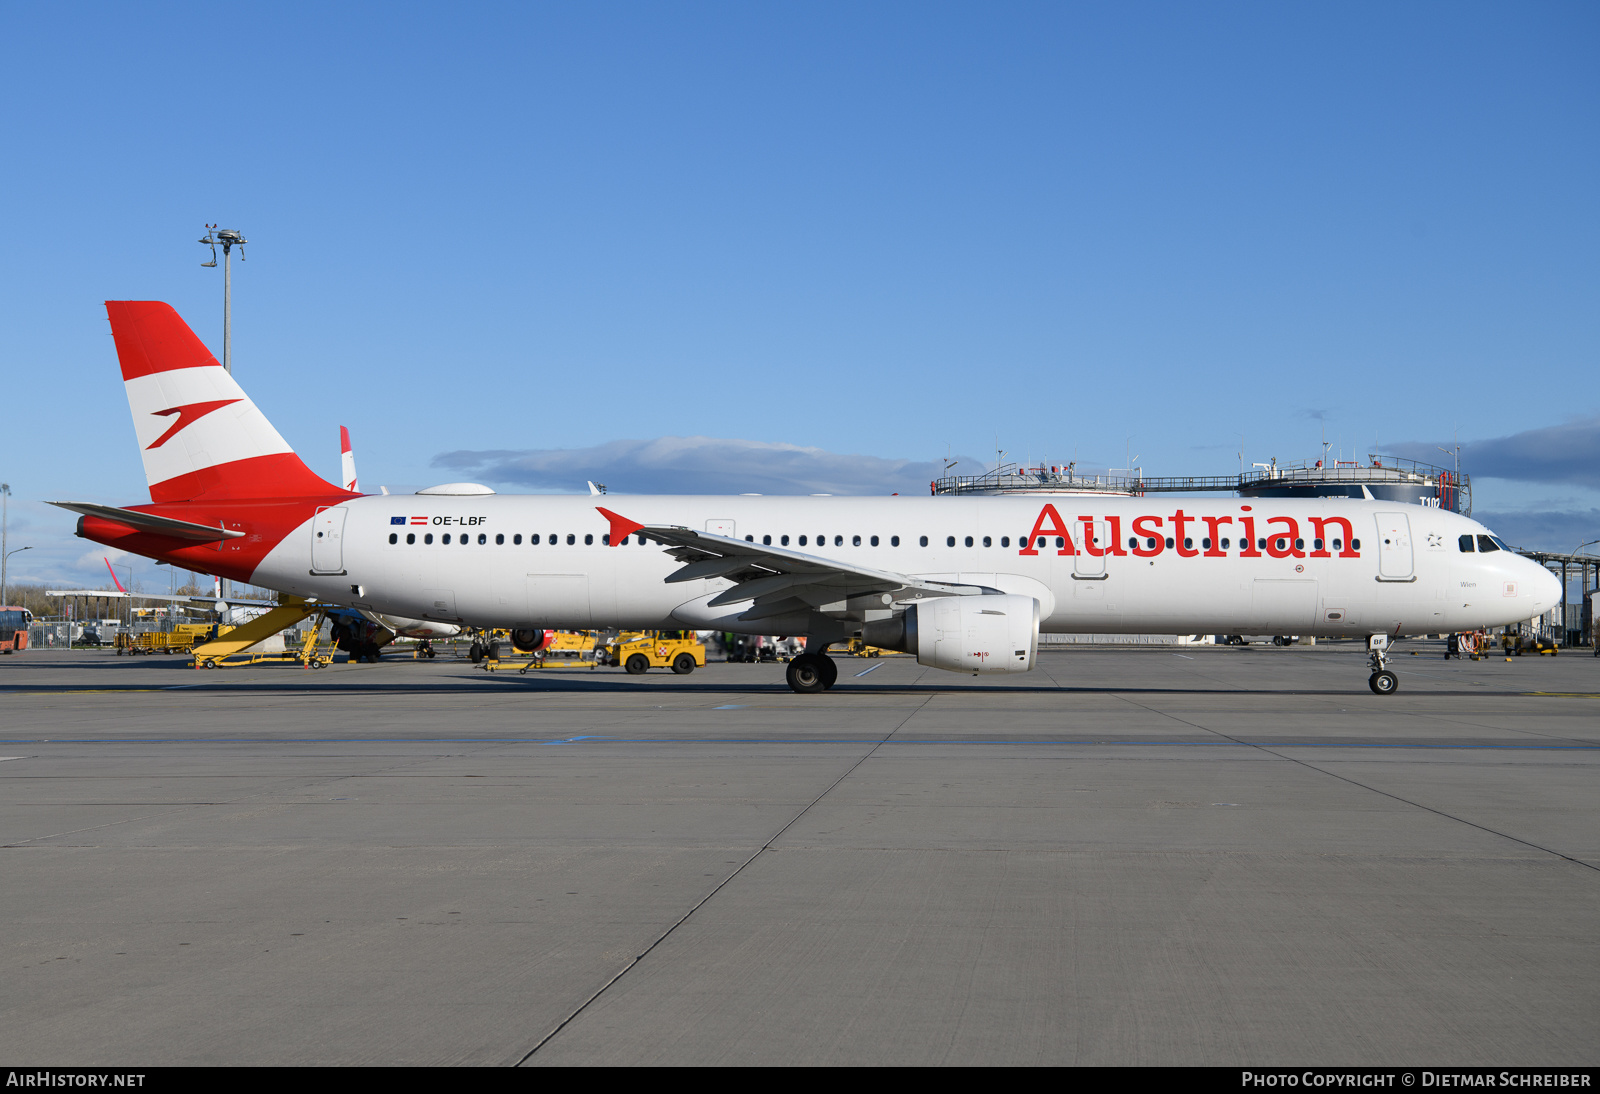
[
  {"x": 1465, "y": 542},
  {"x": 1503, "y": 545},
  {"x": 1487, "y": 543}
]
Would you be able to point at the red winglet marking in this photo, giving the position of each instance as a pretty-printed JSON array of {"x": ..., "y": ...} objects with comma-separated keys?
[
  {"x": 621, "y": 526},
  {"x": 187, "y": 416},
  {"x": 114, "y": 580}
]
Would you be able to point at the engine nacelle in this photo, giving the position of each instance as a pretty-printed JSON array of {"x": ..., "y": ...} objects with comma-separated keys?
[
  {"x": 530, "y": 640},
  {"x": 987, "y": 633}
]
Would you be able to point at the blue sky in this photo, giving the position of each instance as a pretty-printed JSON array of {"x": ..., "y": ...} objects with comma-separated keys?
[{"x": 660, "y": 243}]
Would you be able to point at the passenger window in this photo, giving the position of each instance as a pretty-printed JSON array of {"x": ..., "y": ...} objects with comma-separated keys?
[
  {"x": 1225, "y": 545},
  {"x": 949, "y": 541},
  {"x": 1169, "y": 543},
  {"x": 969, "y": 541},
  {"x": 571, "y": 539},
  {"x": 1188, "y": 544},
  {"x": 1316, "y": 545},
  {"x": 838, "y": 541},
  {"x": 483, "y": 538},
  {"x": 1005, "y": 541},
  {"x": 411, "y": 537},
  {"x": 1150, "y": 545},
  {"x": 873, "y": 541},
  {"x": 802, "y": 541},
  {"x": 393, "y": 538},
  {"x": 1338, "y": 545},
  {"x": 1261, "y": 544},
  {"x": 516, "y": 540},
  {"x": 1487, "y": 543},
  {"x": 783, "y": 540},
  {"x": 465, "y": 539},
  {"x": 1281, "y": 542},
  {"x": 749, "y": 539},
  {"x": 1134, "y": 542},
  {"x": 924, "y": 541},
  {"x": 987, "y": 542},
  {"x": 588, "y": 540},
  {"x": 894, "y": 541},
  {"x": 1355, "y": 545},
  {"x": 445, "y": 538},
  {"x": 1205, "y": 544},
  {"x": 641, "y": 540},
  {"x": 766, "y": 541},
  {"x": 855, "y": 541}
]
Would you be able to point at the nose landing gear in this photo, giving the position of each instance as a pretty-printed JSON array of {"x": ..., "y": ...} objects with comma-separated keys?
[{"x": 1382, "y": 681}]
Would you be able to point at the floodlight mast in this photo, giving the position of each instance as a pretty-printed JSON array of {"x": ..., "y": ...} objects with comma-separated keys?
[{"x": 229, "y": 239}]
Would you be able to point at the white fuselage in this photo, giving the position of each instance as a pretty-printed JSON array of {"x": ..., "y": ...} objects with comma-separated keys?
[{"x": 542, "y": 561}]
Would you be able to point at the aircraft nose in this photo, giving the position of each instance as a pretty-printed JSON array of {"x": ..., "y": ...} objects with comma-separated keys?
[{"x": 1546, "y": 588}]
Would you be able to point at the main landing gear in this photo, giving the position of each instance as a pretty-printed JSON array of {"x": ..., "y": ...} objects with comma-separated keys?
[
  {"x": 1382, "y": 681},
  {"x": 812, "y": 672}
]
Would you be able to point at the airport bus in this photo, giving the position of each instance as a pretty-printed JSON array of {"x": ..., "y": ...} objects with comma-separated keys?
[{"x": 14, "y": 628}]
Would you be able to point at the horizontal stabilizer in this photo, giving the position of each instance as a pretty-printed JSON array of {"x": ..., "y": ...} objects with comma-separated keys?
[{"x": 149, "y": 522}]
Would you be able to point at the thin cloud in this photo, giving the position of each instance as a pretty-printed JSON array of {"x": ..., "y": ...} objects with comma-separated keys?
[
  {"x": 1559, "y": 453},
  {"x": 697, "y": 465}
]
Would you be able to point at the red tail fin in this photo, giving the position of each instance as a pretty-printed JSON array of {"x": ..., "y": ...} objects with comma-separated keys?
[{"x": 199, "y": 433}]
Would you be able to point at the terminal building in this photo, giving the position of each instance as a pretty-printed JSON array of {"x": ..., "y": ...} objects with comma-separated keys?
[{"x": 1381, "y": 478}]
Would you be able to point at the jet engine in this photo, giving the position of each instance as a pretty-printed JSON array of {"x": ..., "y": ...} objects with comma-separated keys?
[
  {"x": 531, "y": 641},
  {"x": 987, "y": 633}
]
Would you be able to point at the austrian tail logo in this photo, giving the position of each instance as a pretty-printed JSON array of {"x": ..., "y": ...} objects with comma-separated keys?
[{"x": 187, "y": 414}]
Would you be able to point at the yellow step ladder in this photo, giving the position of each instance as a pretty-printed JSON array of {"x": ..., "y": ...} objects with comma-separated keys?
[{"x": 290, "y": 610}]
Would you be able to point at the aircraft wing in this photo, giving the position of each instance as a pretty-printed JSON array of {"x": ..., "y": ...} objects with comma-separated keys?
[
  {"x": 149, "y": 522},
  {"x": 777, "y": 579}
]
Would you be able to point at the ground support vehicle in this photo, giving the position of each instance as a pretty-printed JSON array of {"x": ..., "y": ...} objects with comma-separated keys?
[
  {"x": 156, "y": 642},
  {"x": 566, "y": 649},
  {"x": 858, "y": 648},
  {"x": 640, "y": 651},
  {"x": 495, "y": 664},
  {"x": 230, "y": 650}
]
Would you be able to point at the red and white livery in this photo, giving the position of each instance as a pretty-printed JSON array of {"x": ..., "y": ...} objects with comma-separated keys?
[{"x": 964, "y": 583}]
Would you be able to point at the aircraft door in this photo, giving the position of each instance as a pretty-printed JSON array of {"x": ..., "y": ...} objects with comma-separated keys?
[
  {"x": 327, "y": 540},
  {"x": 1095, "y": 534},
  {"x": 1395, "y": 561}
]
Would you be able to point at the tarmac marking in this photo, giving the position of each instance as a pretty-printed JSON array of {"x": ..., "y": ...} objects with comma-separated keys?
[
  {"x": 786, "y": 742},
  {"x": 863, "y": 672},
  {"x": 620, "y": 973}
]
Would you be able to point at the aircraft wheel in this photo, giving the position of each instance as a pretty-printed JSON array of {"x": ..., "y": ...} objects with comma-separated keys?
[
  {"x": 430, "y": 654},
  {"x": 638, "y": 664},
  {"x": 494, "y": 651},
  {"x": 1383, "y": 683},
  {"x": 475, "y": 653},
  {"x": 830, "y": 670},
  {"x": 683, "y": 664},
  {"x": 807, "y": 675}
]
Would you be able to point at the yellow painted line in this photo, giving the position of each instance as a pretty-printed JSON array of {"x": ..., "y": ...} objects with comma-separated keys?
[{"x": 25, "y": 690}]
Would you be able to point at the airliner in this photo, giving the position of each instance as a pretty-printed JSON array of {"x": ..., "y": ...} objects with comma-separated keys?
[{"x": 963, "y": 583}]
